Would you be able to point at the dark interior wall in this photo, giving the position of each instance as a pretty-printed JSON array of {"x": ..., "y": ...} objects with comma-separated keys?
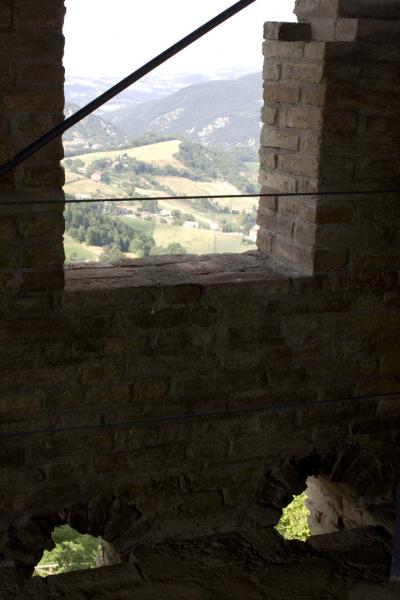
[
  {"x": 311, "y": 347},
  {"x": 32, "y": 101},
  {"x": 147, "y": 342}
]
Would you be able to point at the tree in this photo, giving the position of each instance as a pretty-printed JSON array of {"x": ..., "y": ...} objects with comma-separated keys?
[
  {"x": 72, "y": 552},
  {"x": 111, "y": 254},
  {"x": 174, "y": 248},
  {"x": 294, "y": 522}
]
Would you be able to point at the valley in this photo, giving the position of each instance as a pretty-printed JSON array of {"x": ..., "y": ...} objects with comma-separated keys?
[{"x": 164, "y": 168}]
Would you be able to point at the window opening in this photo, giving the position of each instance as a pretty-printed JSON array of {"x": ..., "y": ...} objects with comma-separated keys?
[
  {"x": 73, "y": 552},
  {"x": 294, "y": 521},
  {"x": 191, "y": 128}
]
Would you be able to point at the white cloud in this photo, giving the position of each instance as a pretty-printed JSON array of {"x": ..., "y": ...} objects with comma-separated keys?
[{"x": 111, "y": 38}]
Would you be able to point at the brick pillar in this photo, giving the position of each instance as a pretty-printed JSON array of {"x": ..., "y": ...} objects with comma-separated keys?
[
  {"x": 31, "y": 101},
  {"x": 332, "y": 122}
]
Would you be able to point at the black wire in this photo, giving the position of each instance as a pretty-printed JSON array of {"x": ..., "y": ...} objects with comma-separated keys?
[
  {"x": 206, "y": 197},
  {"x": 58, "y": 130},
  {"x": 197, "y": 415}
]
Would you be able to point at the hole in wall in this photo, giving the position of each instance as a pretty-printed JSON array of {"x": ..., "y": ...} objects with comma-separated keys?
[
  {"x": 72, "y": 552},
  {"x": 294, "y": 523}
]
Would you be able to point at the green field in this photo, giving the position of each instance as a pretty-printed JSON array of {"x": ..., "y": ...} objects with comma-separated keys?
[
  {"x": 253, "y": 167},
  {"x": 139, "y": 225},
  {"x": 196, "y": 241},
  {"x": 76, "y": 252},
  {"x": 161, "y": 153}
]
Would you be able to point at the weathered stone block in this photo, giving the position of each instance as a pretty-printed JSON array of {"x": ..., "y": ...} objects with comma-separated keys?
[
  {"x": 269, "y": 115},
  {"x": 282, "y": 92},
  {"x": 283, "y": 49},
  {"x": 301, "y": 117},
  {"x": 289, "y": 32},
  {"x": 314, "y": 94},
  {"x": 271, "y": 72},
  {"x": 46, "y": 13},
  {"x": 279, "y": 138},
  {"x": 40, "y": 73},
  {"x": 305, "y": 9},
  {"x": 303, "y": 72},
  {"x": 279, "y": 182},
  {"x": 6, "y": 15},
  {"x": 306, "y": 166}
]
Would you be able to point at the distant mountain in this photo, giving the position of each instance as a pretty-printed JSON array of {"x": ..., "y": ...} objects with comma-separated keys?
[
  {"x": 219, "y": 113},
  {"x": 93, "y": 133},
  {"x": 81, "y": 90}
]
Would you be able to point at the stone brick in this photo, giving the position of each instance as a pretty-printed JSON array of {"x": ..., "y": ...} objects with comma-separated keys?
[
  {"x": 35, "y": 125},
  {"x": 314, "y": 94},
  {"x": 337, "y": 166},
  {"x": 279, "y": 182},
  {"x": 32, "y": 100},
  {"x": 8, "y": 230},
  {"x": 44, "y": 14},
  {"x": 340, "y": 122},
  {"x": 346, "y": 74},
  {"x": 47, "y": 45},
  {"x": 40, "y": 73},
  {"x": 333, "y": 214},
  {"x": 316, "y": 8},
  {"x": 6, "y": 15},
  {"x": 289, "y": 32},
  {"x": 281, "y": 92},
  {"x": 299, "y": 165},
  {"x": 302, "y": 117},
  {"x": 43, "y": 176},
  {"x": 315, "y": 51},
  {"x": 269, "y": 115},
  {"x": 271, "y": 72},
  {"x": 303, "y": 72},
  {"x": 323, "y": 29},
  {"x": 283, "y": 49},
  {"x": 347, "y": 29},
  {"x": 279, "y": 138},
  {"x": 269, "y": 160},
  {"x": 310, "y": 142},
  {"x": 7, "y": 73},
  {"x": 377, "y": 124}
]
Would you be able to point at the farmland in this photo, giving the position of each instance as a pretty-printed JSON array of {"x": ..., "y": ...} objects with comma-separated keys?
[{"x": 160, "y": 169}]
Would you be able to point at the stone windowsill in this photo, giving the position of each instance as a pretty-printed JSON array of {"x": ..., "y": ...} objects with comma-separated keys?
[{"x": 176, "y": 270}]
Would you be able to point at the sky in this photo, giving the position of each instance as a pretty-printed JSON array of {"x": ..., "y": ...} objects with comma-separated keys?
[{"x": 112, "y": 38}]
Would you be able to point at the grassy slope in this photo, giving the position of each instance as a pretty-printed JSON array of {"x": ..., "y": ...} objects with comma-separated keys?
[
  {"x": 82, "y": 251},
  {"x": 197, "y": 241},
  {"x": 160, "y": 154}
]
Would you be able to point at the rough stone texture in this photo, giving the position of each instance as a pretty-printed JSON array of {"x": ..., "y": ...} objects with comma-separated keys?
[
  {"x": 332, "y": 123},
  {"x": 32, "y": 100},
  {"x": 169, "y": 336},
  {"x": 235, "y": 567},
  {"x": 174, "y": 405}
]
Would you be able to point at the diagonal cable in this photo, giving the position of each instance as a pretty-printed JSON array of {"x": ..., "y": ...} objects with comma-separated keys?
[{"x": 58, "y": 130}]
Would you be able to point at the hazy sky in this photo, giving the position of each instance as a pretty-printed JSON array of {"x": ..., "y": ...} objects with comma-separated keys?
[{"x": 111, "y": 38}]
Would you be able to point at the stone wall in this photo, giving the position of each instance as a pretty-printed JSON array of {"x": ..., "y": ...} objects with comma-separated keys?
[
  {"x": 331, "y": 123},
  {"x": 32, "y": 101},
  {"x": 142, "y": 344},
  {"x": 179, "y": 398}
]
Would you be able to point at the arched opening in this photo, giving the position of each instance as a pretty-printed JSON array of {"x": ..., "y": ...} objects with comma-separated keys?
[
  {"x": 294, "y": 523},
  {"x": 72, "y": 552}
]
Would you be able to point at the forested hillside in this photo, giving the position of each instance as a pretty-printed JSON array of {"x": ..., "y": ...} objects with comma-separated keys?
[
  {"x": 93, "y": 133},
  {"x": 222, "y": 113}
]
